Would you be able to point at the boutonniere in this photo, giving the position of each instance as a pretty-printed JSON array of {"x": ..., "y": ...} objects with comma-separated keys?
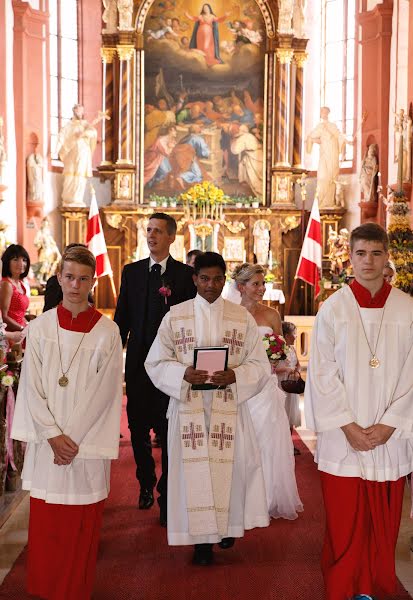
[{"x": 165, "y": 291}]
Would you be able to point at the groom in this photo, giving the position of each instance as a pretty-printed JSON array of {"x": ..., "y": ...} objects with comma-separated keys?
[{"x": 149, "y": 288}]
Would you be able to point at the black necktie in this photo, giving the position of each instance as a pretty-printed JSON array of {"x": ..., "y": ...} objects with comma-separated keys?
[{"x": 156, "y": 270}]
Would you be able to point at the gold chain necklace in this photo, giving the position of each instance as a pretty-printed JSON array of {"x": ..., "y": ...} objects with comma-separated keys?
[
  {"x": 64, "y": 380},
  {"x": 374, "y": 361}
]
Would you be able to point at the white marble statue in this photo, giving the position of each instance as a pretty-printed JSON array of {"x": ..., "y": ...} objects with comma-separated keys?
[
  {"x": 368, "y": 172},
  {"x": 109, "y": 16},
  {"x": 299, "y": 18},
  {"x": 34, "y": 169},
  {"x": 332, "y": 143},
  {"x": 47, "y": 251},
  {"x": 285, "y": 16},
  {"x": 125, "y": 8},
  {"x": 261, "y": 233},
  {"x": 75, "y": 145}
]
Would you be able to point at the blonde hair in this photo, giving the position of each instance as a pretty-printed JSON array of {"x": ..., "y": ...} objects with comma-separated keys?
[
  {"x": 243, "y": 273},
  {"x": 80, "y": 255}
]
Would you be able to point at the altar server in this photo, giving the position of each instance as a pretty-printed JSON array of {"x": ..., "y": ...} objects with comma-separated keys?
[
  {"x": 68, "y": 411},
  {"x": 215, "y": 485},
  {"x": 359, "y": 400}
]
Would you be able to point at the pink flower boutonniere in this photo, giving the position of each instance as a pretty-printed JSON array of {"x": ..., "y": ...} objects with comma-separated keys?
[{"x": 165, "y": 291}]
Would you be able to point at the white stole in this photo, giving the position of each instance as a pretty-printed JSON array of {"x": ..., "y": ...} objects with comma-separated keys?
[{"x": 208, "y": 458}]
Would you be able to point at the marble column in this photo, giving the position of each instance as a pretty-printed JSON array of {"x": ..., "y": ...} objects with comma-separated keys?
[
  {"x": 282, "y": 107},
  {"x": 300, "y": 59},
  {"x": 126, "y": 95},
  {"x": 108, "y": 55}
]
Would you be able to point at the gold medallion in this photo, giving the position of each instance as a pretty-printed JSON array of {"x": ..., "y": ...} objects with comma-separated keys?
[
  {"x": 374, "y": 362},
  {"x": 63, "y": 381}
]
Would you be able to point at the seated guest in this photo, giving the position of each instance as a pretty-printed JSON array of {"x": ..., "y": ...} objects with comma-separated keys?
[
  {"x": 191, "y": 256},
  {"x": 14, "y": 300},
  {"x": 68, "y": 411},
  {"x": 216, "y": 487}
]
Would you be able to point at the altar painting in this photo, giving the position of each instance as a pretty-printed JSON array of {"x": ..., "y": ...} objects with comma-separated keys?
[{"x": 204, "y": 97}]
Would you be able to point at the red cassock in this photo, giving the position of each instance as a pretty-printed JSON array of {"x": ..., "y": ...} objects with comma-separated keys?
[{"x": 362, "y": 519}]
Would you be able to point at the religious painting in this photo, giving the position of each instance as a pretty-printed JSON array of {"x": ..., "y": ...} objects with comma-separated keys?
[
  {"x": 204, "y": 97},
  {"x": 234, "y": 249}
]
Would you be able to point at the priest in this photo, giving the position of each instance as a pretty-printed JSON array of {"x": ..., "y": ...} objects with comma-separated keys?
[
  {"x": 68, "y": 411},
  {"x": 359, "y": 400},
  {"x": 215, "y": 485}
]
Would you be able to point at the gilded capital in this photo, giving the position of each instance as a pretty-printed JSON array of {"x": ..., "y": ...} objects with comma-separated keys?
[
  {"x": 125, "y": 52},
  {"x": 300, "y": 59},
  {"x": 107, "y": 54},
  {"x": 285, "y": 55}
]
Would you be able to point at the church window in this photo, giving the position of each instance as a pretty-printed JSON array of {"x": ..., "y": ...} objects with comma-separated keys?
[
  {"x": 64, "y": 66},
  {"x": 338, "y": 67}
]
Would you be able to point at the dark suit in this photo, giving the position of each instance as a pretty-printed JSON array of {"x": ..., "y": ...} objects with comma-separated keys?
[{"x": 139, "y": 315}]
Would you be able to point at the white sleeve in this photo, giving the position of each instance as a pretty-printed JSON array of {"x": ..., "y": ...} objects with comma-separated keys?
[
  {"x": 162, "y": 366},
  {"x": 326, "y": 405},
  {"x": 95, "y": 422},
  {"x": 252, "y": 375},
  {"x": 33, "y": 421},
  {"x": 400, "y": 412}
]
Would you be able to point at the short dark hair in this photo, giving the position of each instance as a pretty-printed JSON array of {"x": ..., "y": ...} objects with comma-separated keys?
[
  {"x": 209, "y": 259},
  {"x": 371, "y": 232},
  {"x": 192, "y": 253},
  {"x": 170, "y": 221},
  {"x": 14, "y": 251},
  {"x": 74, "y": 245}
]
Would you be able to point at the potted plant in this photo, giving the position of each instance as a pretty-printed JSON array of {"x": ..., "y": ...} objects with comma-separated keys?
[
  {"x": 238, "y": 202},
  {"x": 247, "y": 202},
  {"x": 172, "y": 202},
  {"x": 153, "y": 200},
  {"x": 255, "y": 203}
]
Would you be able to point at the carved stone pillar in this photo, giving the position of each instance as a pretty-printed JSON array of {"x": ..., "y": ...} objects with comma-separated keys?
[
  {"x": 282, "y": 107},
  {"x": 299, "y": 59},
  {"x": 108, "y": 55},
  {"x": 126, "y": 95}
]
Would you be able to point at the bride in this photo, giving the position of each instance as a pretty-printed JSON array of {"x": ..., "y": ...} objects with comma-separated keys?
[{"x": 268, "y": 407}]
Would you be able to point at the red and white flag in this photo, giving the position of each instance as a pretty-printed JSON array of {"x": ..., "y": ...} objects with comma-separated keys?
[
  {"x": 95, "y": 239},
  {"x": 309, "y": 263}
]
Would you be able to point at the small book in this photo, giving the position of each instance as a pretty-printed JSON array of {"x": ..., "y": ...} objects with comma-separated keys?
[{"x": 211, "y": 359}]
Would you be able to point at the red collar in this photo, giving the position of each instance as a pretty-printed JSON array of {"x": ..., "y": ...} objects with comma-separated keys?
[
  {"x": 83, "y": 323},
  {"x": 364, "y": 297}
]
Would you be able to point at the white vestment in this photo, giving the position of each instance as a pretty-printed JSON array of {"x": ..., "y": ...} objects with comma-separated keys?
[
  {"x": 87, "y": 410},
  {"x": 248, "y": 506},
  {"x": 341, "y": 387}
]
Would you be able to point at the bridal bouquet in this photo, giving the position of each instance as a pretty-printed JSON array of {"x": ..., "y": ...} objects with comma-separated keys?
[{"x": 275, "y": 346}]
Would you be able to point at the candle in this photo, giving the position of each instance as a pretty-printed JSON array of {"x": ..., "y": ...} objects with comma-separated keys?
[
  {"x": 183, "y": 255},
  {"x": 270, "y": 260},
  {"x": 244, "y": 256}
]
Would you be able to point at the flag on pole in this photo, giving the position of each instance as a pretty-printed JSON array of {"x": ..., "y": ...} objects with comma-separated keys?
[
  {"x": 309, "y": 263},
  {"x": 95, "y": 239}
]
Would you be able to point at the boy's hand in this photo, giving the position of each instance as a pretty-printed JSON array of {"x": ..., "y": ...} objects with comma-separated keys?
[
  {"x": 379, "y": 434},
  {"x": 357, "y": 437},
  {"x": 63, "y": 448}
]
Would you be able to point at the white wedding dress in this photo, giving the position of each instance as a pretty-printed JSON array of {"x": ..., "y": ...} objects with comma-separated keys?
[{"x": 272, "y": 429}]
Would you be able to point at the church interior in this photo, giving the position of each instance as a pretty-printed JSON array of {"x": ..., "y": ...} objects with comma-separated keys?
[{"x": 120, "y": 109}]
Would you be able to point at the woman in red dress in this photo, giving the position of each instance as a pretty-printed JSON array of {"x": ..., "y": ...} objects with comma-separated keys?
[
  {"x": 14, "y": 301},
  {"x": 205, "y": 34}
]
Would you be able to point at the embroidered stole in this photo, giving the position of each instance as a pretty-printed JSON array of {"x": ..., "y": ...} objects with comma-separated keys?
[{"x": 208, "y": 458}]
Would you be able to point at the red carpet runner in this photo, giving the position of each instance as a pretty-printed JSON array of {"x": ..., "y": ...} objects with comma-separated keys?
[{"x": 280, "y": 562}]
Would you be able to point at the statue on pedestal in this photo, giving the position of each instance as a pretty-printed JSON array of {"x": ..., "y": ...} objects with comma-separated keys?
[
  {"x": 285, "y": 16},
  {"x": 47, "y": 252},
  {"x": 369, "y": 170},
  {"x": 75, "y": 145},
  {"x": 261, "y": 233},
  {"x": 110, "y": 16},
  {"x": 125, "y": 8},
  {"x": 332, "y": 143},
  {"x": 339, "y": 251},
  {"x": 34, "y": 169}
]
